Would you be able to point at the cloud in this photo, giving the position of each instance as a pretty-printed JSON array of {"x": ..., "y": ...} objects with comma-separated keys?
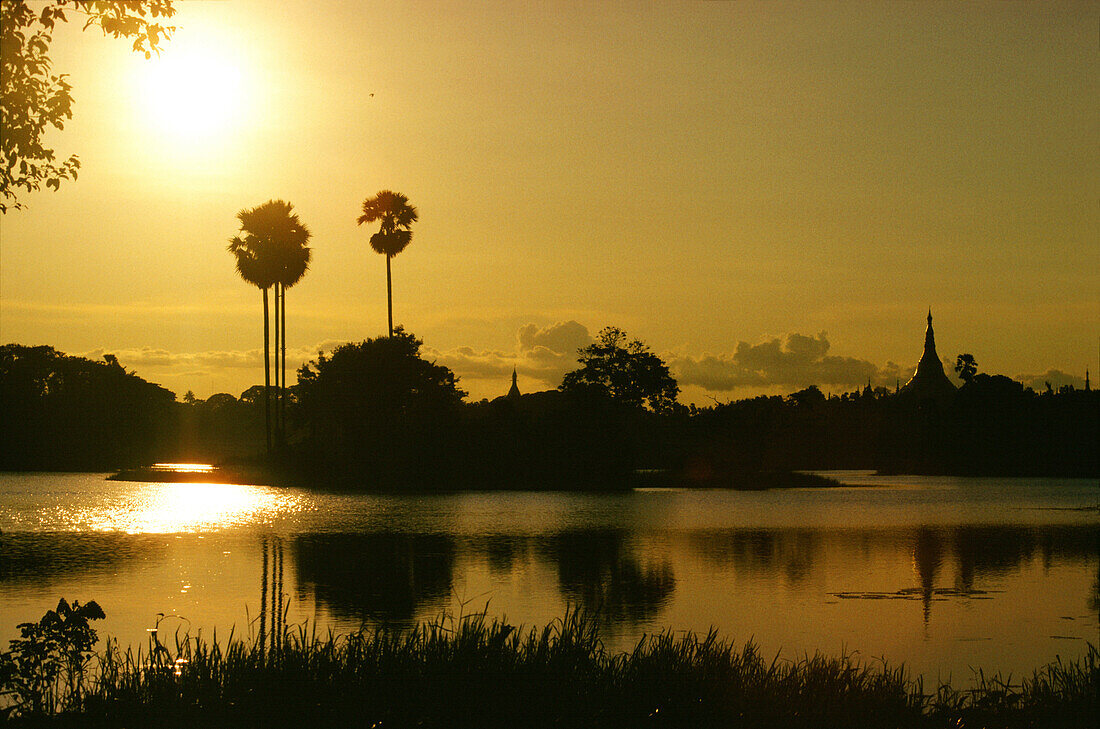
[
  {"x": 800, "y": 361},
  {"x": 152, "y": 358},
  {"x": 146, "y": 357},
  {"x": 894, "y": 374},
  {"x": 563, "y": 337},
  {"x": 548, "y": 353},
  {"x": 545, "y": 354},
  {"x": 1055, "y": 377},
  {"x": 472, "y": 364},
  {"x": 542, "y": 353}
]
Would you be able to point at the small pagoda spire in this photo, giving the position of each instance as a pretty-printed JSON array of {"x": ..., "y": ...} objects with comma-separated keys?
[
  {"x": 929, "y": 335},
  {"x": 513, "y": 392}
]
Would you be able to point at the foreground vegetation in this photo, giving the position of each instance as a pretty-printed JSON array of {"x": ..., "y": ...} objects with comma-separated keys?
[{"x": 471, "y": 671}]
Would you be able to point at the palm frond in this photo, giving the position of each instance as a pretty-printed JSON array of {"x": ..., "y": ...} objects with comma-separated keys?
[
  {"x": 271, "y": 246},
  {"x": 395, "y": 215},
  {"x": 390, "y": 244}
]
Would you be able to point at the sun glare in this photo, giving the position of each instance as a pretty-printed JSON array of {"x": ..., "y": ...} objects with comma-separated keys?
[{"x": 192, "y": 93}]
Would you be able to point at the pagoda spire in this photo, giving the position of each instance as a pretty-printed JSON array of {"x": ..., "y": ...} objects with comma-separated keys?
[{"x": 929, "y": 381}]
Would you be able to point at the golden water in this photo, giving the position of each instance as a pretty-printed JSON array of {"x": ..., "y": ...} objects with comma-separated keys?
[{"x": 940, "y": 574}]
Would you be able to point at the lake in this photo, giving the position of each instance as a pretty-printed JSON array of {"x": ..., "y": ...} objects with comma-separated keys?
[{"x": 941, "y": 574}]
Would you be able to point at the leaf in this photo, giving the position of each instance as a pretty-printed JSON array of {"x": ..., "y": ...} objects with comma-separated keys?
[{"x": 92, "y": 611}]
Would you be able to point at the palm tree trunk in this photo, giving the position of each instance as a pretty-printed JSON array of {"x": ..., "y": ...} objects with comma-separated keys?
[
  {"x": 263, "y": 597},
  {"x": 389, "y": 295},
  {"x": 275, "y": 599},
  {"x": 282, "y": 406},
  {"x": 278, "y": 395},
  {"x": 267, "y": 376}
]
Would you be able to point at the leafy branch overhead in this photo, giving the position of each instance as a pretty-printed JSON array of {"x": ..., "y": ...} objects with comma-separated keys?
[{"x": 35, "y": 99}]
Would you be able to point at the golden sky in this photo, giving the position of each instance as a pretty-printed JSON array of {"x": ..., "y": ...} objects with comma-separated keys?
[{"x": 768, "y": 194}]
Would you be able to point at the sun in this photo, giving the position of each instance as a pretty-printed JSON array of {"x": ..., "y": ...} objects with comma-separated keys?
[{"x": 192, "y": 94}]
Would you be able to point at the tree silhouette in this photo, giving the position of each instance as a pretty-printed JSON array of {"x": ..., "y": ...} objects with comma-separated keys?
[
  {"x": 270, "y": 246},
  {"x": 375, "y": 383},
  {"x": 379, "y": 408},
  {"x": 71, "y": 413},
  {"x": 966, "y": 367},
  {"x": 33, "y": 99},
  {"x": 392, "y": 209},
  {"x": 625, "y": 371}
]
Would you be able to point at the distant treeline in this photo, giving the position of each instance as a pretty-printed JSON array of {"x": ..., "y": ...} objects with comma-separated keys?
[
  {"x": 991, "y": 426},
  {"x": 65, "y": 413},
  {"x": 70, "y": 413},
  {"x": 375, "y": 414}
]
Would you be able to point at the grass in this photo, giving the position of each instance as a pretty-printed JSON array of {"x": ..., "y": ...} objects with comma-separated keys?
[{"x": 475, "y": 672}]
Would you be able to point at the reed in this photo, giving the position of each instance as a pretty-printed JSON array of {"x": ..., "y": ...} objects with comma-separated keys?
[{"x": 466, "y": 671}]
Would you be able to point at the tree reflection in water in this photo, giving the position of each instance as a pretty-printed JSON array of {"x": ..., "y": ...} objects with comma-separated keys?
[
  {"x": 928, "y": 554},
  {"x": 977, "y": 552},
  {"x": 384, "y": 577},
  {"x": 627, "y": 576},
  {"x": 40, "y": 558},
  {"x": 600, "y": 571},
  {"x": 761, "y": 551},
  {"x": 375, "y": 577},
  {"x": 501, "y": 552},
  {"x": 273, "y": 607}
]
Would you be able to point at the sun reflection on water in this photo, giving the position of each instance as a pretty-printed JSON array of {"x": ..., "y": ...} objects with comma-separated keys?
[
  {"x": 184, "y": 467},
  {"x": 165, "y": 508}
]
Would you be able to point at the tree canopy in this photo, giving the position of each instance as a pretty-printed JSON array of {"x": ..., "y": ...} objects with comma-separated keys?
[
  {"x": 378, "y": 409},
  {"x": 272, "y": 246},
  {"x": 63, "y": 412},
  {"x": 624, "y": 371},
  {"x": 395, "y": 215},
  {"x": 374, "y": 380},
  {"x": 33, "y": 98}
]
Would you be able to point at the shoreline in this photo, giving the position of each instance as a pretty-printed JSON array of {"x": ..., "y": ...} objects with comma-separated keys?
[{"x": 643, "y": 479}]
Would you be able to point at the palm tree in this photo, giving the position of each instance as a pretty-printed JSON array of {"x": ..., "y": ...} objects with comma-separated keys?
[
  {"x": 264, "y": 250},
  {"x": 396, "y": 216},
  {"x": 966, "y": 366}
]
